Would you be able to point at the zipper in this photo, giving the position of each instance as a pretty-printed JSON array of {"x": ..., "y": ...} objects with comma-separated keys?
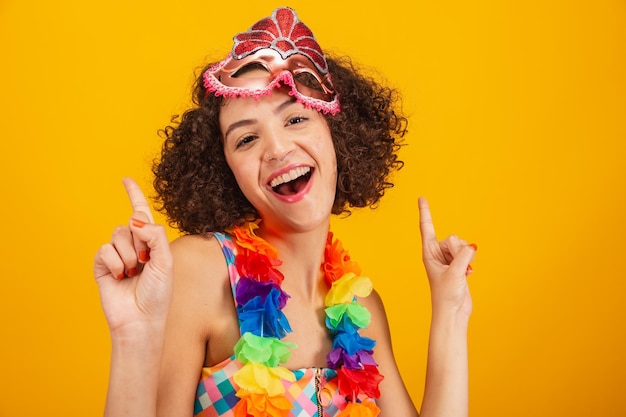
[{"x": 318, "y": 392}]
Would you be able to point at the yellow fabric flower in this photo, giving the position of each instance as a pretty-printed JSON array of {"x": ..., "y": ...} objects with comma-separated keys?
[
  {"x": 259, "y": 379},
  {"x": 348, "y": 286}
]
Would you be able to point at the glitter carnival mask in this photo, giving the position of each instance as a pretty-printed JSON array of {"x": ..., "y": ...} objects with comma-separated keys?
[{"x": 275, "y": 51}]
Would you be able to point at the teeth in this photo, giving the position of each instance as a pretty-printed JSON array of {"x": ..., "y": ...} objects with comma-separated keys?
[{"x": 289, "y": 176}]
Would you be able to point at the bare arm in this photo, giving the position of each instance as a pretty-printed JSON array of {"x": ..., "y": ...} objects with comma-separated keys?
[
  {"x": 394, "y": 399},
  {"x": 134, "y": 374},
  {"x": 446, "y": 391},
  {"x": 162, "y": 302},
  {"x": 134, "y": 276},
  {"x": 197, "y": 310},
  {"x": 447, "y": 267}
]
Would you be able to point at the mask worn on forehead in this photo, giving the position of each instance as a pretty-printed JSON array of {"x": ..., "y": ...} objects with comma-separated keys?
[{"x": 277, "y": 51}]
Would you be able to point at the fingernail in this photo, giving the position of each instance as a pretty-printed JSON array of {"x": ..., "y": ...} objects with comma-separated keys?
[
  {"x": 132, "y": 272},
  {"x": 120, "y": 276},
  {"x": 469, "y": 269},
  {"x": 474, "y": 246},
  {"x": 144, "y": 256},
  {"x": 138, "y": 223}
]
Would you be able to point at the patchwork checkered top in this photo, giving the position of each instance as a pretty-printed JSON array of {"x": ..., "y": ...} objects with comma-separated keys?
[{"x": 216, "y": 391}]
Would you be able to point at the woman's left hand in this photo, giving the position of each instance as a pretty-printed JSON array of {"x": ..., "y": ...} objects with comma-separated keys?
[{"x": 447, "y": 264}]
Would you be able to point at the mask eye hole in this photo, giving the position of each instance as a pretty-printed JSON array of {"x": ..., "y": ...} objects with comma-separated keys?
[
  {"x": 308, "y": 80},
  {"x": 252, "y": 70}
]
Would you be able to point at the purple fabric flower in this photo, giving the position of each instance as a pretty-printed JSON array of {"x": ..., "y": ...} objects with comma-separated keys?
[
  {"x": 248, "y": 288},
  {"x": 339, "y": 356}
]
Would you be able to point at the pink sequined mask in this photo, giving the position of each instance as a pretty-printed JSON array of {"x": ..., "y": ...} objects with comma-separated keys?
[{"x": 276, "y": 51}]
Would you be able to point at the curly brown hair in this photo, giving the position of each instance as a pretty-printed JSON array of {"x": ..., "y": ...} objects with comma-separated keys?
[{"x": 197, "y": 190}]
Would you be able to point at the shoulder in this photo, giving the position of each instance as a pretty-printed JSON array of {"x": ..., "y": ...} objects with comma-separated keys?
[
  {"x": 199, "y": 268},
  {"x": 191, "y": 247},
  {"x": 197, "y": 253},
  {"x": 379, "y": 326},
  {"x": 374, "y": 303}
]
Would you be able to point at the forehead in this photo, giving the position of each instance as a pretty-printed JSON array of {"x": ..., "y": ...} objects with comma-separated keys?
[
  {"x": 257, "y": 109},
  {"x": 232, "y": 106}
]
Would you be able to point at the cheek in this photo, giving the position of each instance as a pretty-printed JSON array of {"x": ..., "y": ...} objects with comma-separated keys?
[
  {"x": 245, "y": 172},
  {"x": 330, "y": 154},
  {"x": 324, "y": 151}
]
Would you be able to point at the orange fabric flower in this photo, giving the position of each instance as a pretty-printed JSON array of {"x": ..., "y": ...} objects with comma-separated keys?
[
  {"x": 337, "y": 261},
  {"x": 261, "y": 405},
  {"x": 364, "y": 409},
  {"x": 246, "y": 238}
]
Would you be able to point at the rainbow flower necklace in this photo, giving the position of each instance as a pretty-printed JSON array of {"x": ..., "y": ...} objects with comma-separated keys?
[{"x": 260, "y": 301}]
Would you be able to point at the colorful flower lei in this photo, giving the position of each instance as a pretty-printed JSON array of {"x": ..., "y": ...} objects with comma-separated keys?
[{"x": 260, "y": 301}]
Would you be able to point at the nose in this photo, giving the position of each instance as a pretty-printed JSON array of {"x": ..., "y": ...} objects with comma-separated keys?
[{"x": 278, "y": 146}]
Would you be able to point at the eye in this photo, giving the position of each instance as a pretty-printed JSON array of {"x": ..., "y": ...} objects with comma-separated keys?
[
  {"x": 296, "y": 120},
  {"x": 244, "y": 141}
]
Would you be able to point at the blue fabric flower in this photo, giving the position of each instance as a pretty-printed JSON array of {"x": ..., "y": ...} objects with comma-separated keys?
[
  {"x": 346, "y": 336},
  {"x": 263, "y": 317}
]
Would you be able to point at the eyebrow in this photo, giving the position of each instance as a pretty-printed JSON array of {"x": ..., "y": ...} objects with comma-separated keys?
[
  {"x": 237, "y": 124},
  {"x": 285, "y": 104},
  {"x": 246, "y": 122}
]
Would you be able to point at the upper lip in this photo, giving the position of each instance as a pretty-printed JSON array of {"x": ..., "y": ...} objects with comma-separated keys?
[{"x": 287, "y": 174}]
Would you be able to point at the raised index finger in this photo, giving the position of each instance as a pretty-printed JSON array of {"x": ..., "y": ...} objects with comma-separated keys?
[
  {"x": 137, "y": 199},
  {"x": 427, "y": 228}
]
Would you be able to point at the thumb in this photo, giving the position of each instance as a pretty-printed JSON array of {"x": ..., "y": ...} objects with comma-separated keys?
[
  {"x": 462, "y": 259},
  {"x": 139, "y": 219},
  {"x": 154, "y": 238}
]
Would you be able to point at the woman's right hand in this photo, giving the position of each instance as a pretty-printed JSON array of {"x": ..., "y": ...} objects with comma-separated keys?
[{"x": 134, "y": 271}]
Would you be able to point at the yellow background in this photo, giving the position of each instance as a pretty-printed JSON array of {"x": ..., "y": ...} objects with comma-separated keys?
[{"x": 516, "y": 137}]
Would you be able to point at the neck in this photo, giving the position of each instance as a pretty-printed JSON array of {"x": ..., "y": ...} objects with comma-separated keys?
[{"x": 302, "y": 253}]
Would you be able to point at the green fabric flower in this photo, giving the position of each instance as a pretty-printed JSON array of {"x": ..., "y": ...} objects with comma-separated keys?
[
  {"x": 358, "y": 314},
  {"x": 268, "y": 351}
]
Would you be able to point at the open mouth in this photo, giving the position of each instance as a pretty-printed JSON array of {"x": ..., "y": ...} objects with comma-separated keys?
[{"x": 291, "y": 182}]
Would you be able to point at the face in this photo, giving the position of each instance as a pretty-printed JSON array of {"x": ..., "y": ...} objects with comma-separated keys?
[{"x": 283, "y": 159}]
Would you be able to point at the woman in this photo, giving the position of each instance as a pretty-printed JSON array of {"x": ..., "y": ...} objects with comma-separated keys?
[{"x": 267, "y": 314}]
